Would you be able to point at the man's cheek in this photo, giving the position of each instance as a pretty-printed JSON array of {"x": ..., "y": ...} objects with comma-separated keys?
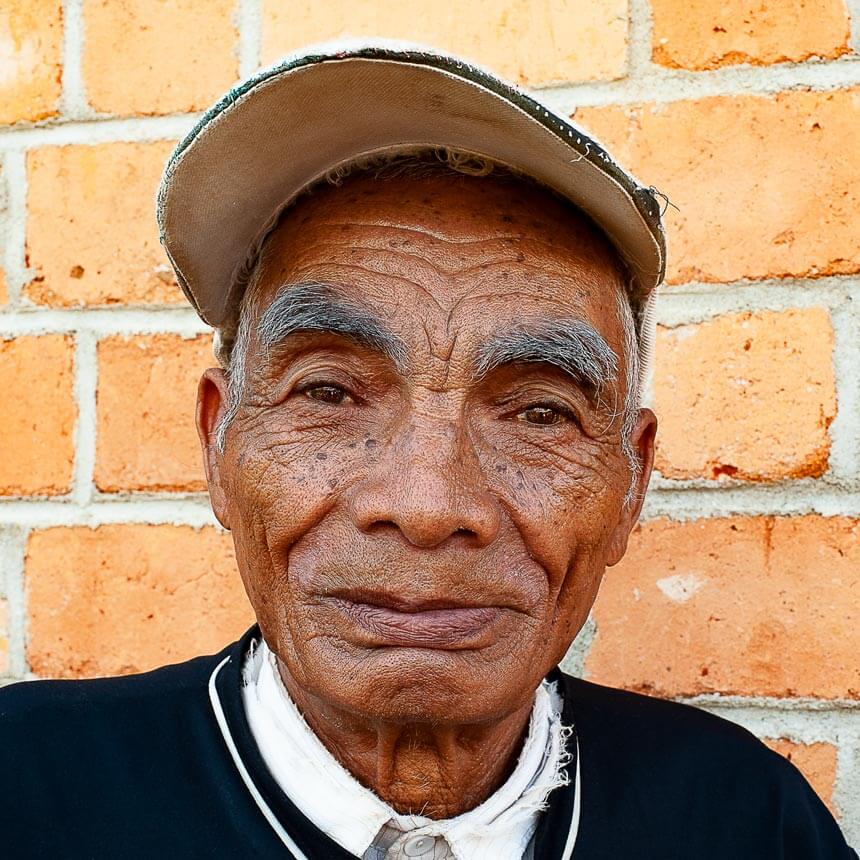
[
  {"x": 281, "y": 493},
  {"x": 315, "y": 461},
  {"x": 550, "y": 506}
]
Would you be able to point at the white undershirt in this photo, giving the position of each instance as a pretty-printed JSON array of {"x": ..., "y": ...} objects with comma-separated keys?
[{"x": 362, "y": 823}]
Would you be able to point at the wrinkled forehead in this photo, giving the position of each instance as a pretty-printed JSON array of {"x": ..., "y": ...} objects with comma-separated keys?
[
  {"x": 447, "y": 242},
  {"x": 447, "y": 206}
]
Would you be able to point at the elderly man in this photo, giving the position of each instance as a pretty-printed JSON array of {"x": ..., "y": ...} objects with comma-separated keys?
[{"x": 431, "y": 300}]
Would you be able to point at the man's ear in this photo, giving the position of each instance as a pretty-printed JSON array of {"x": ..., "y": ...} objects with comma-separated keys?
[
  {"x": 642, "y": 445},
  {"x": 211, "y": 405}
]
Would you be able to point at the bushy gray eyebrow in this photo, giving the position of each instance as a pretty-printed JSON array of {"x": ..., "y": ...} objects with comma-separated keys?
[
  {"x": 320, "y": 307},
  {"x": 572, "y": 345}
]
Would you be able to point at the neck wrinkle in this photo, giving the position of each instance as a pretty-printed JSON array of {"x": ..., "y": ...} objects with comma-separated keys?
[{"x": 438, "y": 772}]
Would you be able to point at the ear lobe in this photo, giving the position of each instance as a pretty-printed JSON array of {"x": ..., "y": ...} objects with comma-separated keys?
[
  {"x": 642, "y": 444},
  {"x": 211, "y": 405}
]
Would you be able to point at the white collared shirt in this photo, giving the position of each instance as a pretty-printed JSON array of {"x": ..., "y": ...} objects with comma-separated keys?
[{"x": 362, "y": 823}]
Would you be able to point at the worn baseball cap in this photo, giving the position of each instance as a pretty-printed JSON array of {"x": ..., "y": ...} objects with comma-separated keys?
[{"x": 280, "y": 131}]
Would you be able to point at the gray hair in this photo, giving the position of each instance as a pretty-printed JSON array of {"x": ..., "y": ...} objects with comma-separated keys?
[
  {"x": 233, "y": 340},
  {"x": 633, "y": 393}
]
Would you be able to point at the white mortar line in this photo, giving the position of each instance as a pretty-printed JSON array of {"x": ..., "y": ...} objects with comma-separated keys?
[
  {"x": 249, "y": 21},
  {"x": 73, "y": 101},
  {"x": 103, "y": 321},
  {"x": 14, "y": 235},
  {"x": 659, "y": 84},
  {"x": 792, "y": 498},
  {"x": 13, "y": 543},
  {"x": 639, "y": 41},
  {"x": 825, "y": 282},
  {"x": 85, "y": 425},
  {"x": 775, "y": 706},
  {"x": 5, "y": 190},
  {"x": 98, "y": 130},
  {"x": 845, "y": 439},
  {"x": 46, "y": 514},
  {"x": 697, "y": 303}
]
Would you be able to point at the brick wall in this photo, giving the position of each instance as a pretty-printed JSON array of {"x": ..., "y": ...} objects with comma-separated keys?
[{"x": 741, "y": 591}]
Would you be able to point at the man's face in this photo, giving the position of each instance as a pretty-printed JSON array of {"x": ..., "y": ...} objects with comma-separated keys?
[{"x": 422, "y": 508}]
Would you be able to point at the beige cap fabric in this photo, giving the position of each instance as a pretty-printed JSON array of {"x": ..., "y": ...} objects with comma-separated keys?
[{"x": 284, "y": 128}]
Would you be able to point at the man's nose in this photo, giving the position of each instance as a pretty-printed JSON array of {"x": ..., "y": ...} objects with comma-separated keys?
[{"x": 429, "y": 485}]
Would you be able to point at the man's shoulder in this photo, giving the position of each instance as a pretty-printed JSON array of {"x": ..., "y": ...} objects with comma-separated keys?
[
  {"x": 646, "y": 730},
  {"x": 38, "y": 715},
  {"x": 66, "y": 697},
  {"x": 138, "y": 761},
  {"x": 69, "y": 747},
  {"x": 618, "y": 709},
  {"x": 676, "y": 769}
]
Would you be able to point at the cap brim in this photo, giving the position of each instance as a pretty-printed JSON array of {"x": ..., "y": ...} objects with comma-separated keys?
[{"x": 283, "y": 129}]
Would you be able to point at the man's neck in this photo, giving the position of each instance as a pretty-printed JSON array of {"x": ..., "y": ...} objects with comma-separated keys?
[{"x": 438, "y": 771}]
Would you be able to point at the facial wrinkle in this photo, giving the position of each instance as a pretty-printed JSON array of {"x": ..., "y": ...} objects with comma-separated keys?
[
  {"x": 427, "y": 232},
  {"x": 332, "y": 266},
  {"x": 507, "y": 240},
  {"x": 387, "y": 247}
]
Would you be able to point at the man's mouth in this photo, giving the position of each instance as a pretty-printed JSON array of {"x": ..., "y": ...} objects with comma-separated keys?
[{"x": 390, "y": 621}]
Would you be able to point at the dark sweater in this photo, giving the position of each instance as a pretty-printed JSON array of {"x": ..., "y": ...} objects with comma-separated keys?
[{"x": 141, "y": 767}]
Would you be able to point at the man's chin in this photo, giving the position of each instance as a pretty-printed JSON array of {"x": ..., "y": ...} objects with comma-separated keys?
[{"x": 423, "y": 685}]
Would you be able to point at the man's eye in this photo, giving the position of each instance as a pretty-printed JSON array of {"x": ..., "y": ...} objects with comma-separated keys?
[
  {"x": 543, "y": 415},
  {"x": 333, "y": 394}
]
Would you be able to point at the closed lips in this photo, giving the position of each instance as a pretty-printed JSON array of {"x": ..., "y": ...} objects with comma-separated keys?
[{"x": 429, "y": 624}]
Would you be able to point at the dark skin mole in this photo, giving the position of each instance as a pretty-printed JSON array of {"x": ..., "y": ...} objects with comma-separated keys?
[{"x": 439, "y": 560}]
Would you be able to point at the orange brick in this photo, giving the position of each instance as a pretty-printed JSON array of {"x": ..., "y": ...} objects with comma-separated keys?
[
  {"x": 37, "y": 430},
  {"x": 91, "y": 231},
  {"x": 748, "y": 396},
  {"x": 711, "y": 33},
  {"x": 527, "y": 43},
  {"x": 145, "y": 406},
  {"x": 178, "y": 55},
  {"x": 759, "y": 606},
  {"x": 31, "y": 35},
  {"x": 764, "y": 185},
  {"x": 817, "y": 762},
  {"x": 126, "y": 598},
  {"x": 4, "y": 637}
]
